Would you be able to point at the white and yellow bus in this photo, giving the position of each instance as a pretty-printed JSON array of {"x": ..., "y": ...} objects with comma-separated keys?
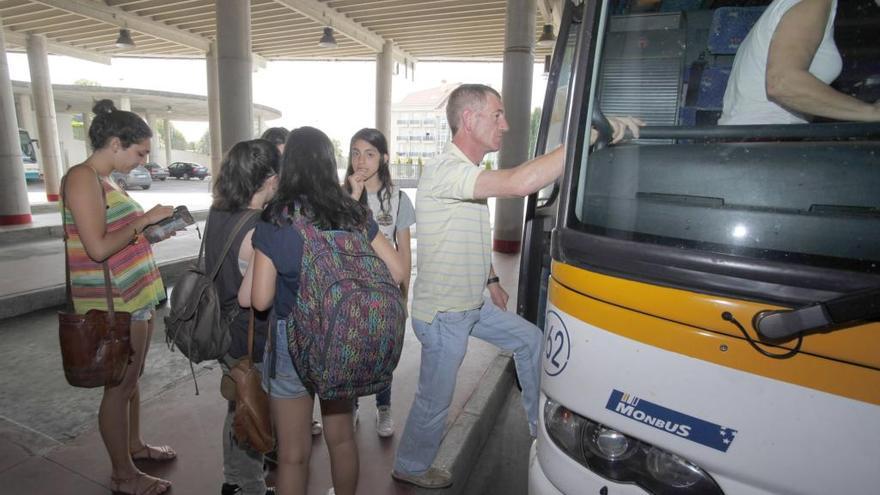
[{"x": 709, "y": 295}]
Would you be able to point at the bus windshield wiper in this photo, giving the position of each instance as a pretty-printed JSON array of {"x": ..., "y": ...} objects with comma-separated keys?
[{"x": 845, "y": 310}]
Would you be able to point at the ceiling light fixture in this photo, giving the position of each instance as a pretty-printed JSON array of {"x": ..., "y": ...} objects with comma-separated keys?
[
  {"x": 327, "y": 40},
  {"x": 547, "y": 38},
  {"x": 124, "y": 40}
]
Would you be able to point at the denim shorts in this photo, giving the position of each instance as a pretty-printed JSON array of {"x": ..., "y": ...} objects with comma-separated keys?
[
  {"x": 143, "y": 314},
  {"x": 286, "y": 384}
]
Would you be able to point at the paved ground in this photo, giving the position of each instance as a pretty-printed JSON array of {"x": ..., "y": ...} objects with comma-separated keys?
[{"x": 48, "y": 438}]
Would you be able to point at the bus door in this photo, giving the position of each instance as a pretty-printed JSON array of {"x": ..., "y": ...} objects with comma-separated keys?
[{"x": 540, "y": 214}]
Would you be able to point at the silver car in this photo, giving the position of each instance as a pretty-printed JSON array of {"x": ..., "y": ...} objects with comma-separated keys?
[{"x": 138, "y": 177}]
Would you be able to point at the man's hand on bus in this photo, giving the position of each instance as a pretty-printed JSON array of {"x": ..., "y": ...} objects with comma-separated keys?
[
  {"x": 499, "y": 295},
  {"x": 620, "y": 126}
]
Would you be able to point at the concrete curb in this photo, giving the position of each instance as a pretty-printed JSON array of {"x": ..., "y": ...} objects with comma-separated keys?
[
  {"x": 48, "y": 232},
  {"x": 464, "y": 440},
  {"x": 51, "y": 297}
]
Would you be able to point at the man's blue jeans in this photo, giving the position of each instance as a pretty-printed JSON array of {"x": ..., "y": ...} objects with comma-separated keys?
[{"x": 444, "y": 344}]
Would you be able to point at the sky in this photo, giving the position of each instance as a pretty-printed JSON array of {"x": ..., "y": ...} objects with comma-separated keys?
[{"x": 336, "y": 97}]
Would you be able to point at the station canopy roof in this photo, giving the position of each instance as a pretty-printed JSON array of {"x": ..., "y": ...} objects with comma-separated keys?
[{"x": 280, "y": 29}]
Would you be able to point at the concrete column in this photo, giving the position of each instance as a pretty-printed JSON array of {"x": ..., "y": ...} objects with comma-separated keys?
[
  {"x": 213, "y": 110},
  {"x": 234, "y": 62},
  {"x": 167, "y": 142},
  {"x": 519, "y": 61},
  {"x": 14, "y": 206},
  {"x": 26, "y": 114},
  {"x": 125, "y": 103},
  {"x": 155, "y": 142},
  {"x": 87, "y": 122},
  {"x": 44, "y": 103},
  {"x": 384, "y": 71}
]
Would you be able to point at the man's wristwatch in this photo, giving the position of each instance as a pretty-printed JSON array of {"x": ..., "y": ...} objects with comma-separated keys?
[{"x": 492, "y": 280}]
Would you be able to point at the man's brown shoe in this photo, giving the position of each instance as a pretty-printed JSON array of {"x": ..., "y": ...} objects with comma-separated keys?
[{"x": 432, "y": 478}]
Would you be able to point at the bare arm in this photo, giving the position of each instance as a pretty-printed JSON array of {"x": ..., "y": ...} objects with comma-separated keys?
[
  {"x": 247, "y": 282},
  {"x": 263, "y": 288},
  {"x": 386, "y": 251},
  {"x": 82, "y": 196},
  {"x": 541, "y": 171},
  {"x": 404, "y": 251},
  {"x": 496, "y": 292},
  {"x": 789, "y": 82}
]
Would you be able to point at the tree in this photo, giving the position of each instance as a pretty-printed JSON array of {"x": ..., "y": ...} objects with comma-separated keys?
[
  {"x": 203, "y": 146},
  {"x": 178, "y": 141},
  {"x": 534, "y": 124}
]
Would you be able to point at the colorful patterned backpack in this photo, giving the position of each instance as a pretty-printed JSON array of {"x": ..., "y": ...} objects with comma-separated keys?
[{"x": 346, "y": 331}]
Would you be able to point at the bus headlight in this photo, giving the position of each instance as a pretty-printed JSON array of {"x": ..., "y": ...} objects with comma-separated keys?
[{"x": 622, "y": 458}]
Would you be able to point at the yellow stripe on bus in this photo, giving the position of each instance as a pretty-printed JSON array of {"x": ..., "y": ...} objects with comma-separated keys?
[{"x": 690, "y": 324}]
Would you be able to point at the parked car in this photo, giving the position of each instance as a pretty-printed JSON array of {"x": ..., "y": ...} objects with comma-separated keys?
[
  {"x": 185, "y": 170},
  {"x": 157, "y": 172},
  {"x": 138, "y": 177}
]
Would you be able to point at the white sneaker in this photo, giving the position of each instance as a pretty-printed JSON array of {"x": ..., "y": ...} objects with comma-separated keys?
[
  {"x": 317, "y": 427},
  {"x": 384, "y": 423}
]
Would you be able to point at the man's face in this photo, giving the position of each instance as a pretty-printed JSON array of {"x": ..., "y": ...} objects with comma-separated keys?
[{"x": 490, "y": 124}]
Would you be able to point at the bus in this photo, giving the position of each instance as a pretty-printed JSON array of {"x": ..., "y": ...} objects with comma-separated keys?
[
  {"x": 709, "y": 295},
  {"x": 32, "y": 170}
]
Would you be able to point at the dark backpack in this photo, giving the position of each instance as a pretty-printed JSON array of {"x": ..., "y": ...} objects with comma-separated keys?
[
  {"x": 346, "y": 330},
  {"x": 196, "y": 323}
]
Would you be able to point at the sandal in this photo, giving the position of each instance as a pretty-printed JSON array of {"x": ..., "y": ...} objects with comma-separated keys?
[
  {"x": 150, "y": 485},
  {"x": 152, "y": 453}
]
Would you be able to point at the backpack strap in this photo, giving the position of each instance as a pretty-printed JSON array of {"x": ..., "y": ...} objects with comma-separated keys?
[{"x": 238, "y": 226}]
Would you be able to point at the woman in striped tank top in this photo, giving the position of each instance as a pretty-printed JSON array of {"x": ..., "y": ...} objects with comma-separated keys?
[{"x": 110, "y": 229}]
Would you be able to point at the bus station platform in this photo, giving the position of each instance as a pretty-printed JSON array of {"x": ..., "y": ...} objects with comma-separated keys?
[{"x": 49, "y": 443}]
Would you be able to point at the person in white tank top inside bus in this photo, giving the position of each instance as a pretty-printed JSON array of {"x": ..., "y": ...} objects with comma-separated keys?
[{"x": 783, "y": 70}]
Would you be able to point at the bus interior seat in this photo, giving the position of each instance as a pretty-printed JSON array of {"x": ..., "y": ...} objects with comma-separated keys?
[{"x": 707, "y": 76}]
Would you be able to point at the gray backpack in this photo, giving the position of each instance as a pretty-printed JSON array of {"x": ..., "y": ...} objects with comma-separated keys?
[{"x": 196, "y": 323}]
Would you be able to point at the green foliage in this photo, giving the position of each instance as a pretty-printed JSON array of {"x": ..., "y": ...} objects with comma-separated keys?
[
  {"x": 178, "y": 141},
  {"x": 534, "y": 124},
  {"x": 203, "y": 146}
]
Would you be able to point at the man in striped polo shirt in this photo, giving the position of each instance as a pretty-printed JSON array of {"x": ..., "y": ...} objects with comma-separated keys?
[{"x": 455, "y": 268}]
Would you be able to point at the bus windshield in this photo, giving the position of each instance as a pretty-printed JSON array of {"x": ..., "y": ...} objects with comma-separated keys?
[{"x": 802, "y": 193}]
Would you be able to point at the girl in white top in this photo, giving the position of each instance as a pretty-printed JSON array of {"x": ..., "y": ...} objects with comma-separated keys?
[
  {"x": 782, "y": 70},
  {"x": 368, "y": 180}
]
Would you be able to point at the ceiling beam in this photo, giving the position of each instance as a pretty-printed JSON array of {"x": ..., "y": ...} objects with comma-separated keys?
[
  {"x": 118, "y": 17},
  {"x": 326, "y": 16},
  {"x": 58, "y": 48},
  {"x": 551, "y": 12}
]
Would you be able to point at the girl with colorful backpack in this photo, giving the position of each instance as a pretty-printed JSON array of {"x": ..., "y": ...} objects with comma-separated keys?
[{"x": 313, "y": 222}]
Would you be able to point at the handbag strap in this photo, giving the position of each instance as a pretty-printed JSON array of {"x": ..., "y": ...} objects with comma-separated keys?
[
  {"x": 238, "y": 226},
  {"x": 69, "y": 292},
  {"x": 250, "y": 337}
]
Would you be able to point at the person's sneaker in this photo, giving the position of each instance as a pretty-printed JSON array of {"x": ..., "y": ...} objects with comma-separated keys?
[
  {"x": 317, "y": 427},
  {"x": 432, "y": 478},
  {"x": 384, "y": 423}
]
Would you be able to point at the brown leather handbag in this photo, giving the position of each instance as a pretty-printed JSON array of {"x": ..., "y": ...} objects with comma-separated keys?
[
  {"x": 252, "y": 424},
  {"x": 95, "y": 347}
]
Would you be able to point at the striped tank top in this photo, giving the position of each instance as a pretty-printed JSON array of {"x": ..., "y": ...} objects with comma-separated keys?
[{"x": 134, "y": 276}]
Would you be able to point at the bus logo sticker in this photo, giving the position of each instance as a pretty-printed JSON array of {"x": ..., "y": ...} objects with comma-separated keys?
[
  {"x": 673, "y": 422},
  {"x": 557, "y": 344}
]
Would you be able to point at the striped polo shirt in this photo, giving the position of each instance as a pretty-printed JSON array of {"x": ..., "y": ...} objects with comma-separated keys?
[{"x": 454, "y": 238}]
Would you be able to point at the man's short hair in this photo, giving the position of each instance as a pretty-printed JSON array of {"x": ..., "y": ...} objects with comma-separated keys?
[
  {"x": 466, "y": 96},
  {"x": 275, "y": 135}
]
